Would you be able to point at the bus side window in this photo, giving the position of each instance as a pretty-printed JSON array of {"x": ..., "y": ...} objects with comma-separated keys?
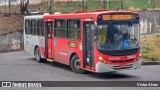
[
  {"x": 33, "y": 27},
  {"x": 40, "y": 27},
  {"x": 73, "y": 29},
  {"x": 27, "y": 27},
  {"x": 60, "y": 28}
]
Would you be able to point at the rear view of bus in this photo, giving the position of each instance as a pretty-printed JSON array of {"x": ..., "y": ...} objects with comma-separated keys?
[{"x": 117, "y": 41}]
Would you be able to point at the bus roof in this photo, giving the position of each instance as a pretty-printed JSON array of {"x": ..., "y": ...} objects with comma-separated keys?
[
  {"x": 34, "y": 17},
  {"x": 87, "y": 14}
]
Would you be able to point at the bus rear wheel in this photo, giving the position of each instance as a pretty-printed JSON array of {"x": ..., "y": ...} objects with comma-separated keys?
[
  {"x": 38, "y": 55},
  {"x": 75, "y": 65}
]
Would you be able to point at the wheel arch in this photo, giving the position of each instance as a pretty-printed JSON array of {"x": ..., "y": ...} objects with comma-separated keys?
[{"x": 72, "y": 54}]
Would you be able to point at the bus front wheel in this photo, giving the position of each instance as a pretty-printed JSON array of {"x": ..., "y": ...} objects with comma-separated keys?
[
  {"x": 75, "y": 65},
  {"x": 38, "y": 55}
]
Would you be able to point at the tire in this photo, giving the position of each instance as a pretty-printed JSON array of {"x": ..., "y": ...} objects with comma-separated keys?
[
  {"x": 75, "y": 65},
  {"x": 38, "y": 56}
]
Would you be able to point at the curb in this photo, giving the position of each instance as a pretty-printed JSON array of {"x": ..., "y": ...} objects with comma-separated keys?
[
  {"x": 11, "y": 51},
  {"x": 150, "y": 63}
]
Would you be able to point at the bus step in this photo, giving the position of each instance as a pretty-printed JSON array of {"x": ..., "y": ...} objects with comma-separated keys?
[
  {"x": 88, "y": 70},
  {"x": 50, "y": 60}
]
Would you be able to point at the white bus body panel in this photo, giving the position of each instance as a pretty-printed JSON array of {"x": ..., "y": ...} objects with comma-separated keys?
[{"x": 30, "y": 42}]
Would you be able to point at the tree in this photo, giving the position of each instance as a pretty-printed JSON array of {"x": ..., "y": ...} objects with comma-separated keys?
[
  {"x": 149, "y": 1},
  {"x": 50, "y": 3},
  {"x": 24, "y": 6}
]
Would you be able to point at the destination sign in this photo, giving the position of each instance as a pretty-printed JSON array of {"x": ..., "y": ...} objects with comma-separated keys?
[{"x": 119, "y": 17}]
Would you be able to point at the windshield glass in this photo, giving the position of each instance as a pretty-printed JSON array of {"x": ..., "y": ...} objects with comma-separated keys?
[{"x": 118, "y": 35}]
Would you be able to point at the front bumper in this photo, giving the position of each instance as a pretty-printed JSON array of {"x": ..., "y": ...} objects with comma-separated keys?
[{"x": 102, "y": 67}]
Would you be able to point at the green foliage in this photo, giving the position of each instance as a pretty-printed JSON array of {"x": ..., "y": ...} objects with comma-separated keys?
[
  {"x": 150, "y": 56},
  {"x": 150, "y": 47},
  {"x": 145, "y": 49},
  {"x": 74, "y": 6},
  {"x": 112, "y": 5}
]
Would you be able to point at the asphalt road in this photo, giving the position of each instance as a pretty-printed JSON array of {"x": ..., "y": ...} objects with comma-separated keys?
[{"x": 21, "y": 66}]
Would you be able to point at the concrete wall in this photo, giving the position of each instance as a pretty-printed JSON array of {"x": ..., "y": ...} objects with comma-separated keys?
[
  {"x": 11, "y": 41},
  {"x": 150, "y": 21}
]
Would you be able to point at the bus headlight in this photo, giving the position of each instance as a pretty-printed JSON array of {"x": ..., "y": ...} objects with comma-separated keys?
[
  {"x": 140, "y": 54},
  {"x": 100, "y": 58}
]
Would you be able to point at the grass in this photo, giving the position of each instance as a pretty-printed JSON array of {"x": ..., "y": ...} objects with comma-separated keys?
[
  {"x": 150, "y": 47},
  {"x": 134, "y": 5}
]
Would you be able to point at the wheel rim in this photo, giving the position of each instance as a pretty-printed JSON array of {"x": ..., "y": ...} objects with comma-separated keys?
[{"x": 77, "y": 63}]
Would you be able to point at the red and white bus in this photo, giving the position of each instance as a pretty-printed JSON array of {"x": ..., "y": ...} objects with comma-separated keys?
[{"x": 97, "y": 41}]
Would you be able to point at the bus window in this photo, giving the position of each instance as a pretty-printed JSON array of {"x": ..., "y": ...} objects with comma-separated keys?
[
  {"x": 60, "y": 28},
  {"x": 73, "y": 29},
  {"x": 27, "y": 27},
  {"x": 40, "y": 27},
  {"x": 33, "y": 27},
  {"x": 102, "y": 35},
  {"x": 49, "y": 28}
]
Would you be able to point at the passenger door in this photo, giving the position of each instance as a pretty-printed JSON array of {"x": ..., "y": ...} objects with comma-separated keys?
[
  {"x": 88, "y": 44},
  {"x": 49, "y": 48}
]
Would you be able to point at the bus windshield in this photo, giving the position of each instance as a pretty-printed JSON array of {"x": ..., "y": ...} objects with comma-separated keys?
[{"x": 118, "y": 35}]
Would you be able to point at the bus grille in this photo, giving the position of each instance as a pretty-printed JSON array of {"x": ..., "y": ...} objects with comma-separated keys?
[
  {"x": 116, "y": 67},
  {"x": 120, "y": 61}
]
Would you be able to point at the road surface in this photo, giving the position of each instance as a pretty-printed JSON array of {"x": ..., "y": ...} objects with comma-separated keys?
[{"x": 21, "y": 66}]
